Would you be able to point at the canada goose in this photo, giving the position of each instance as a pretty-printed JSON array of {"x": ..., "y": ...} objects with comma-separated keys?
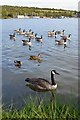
[
  {"x": 31, "y": 35},
  {"x": 61, "y": 42},
  {"x": 60, "y": 32},
  {"x": 28, "y": 32},
  {"x": 33, "y": 57},
  {"x": 12, "y": 36},
  {"x": 22, "y": 32},
  {"x": 41, "y": 84},
  {"x": 49, "y": 32},
  {"x": 39, "y": 39},
  {"x": 27, "y": 42},
  {"x": 66, "y": 37},
  {"x": 18, "y": 30},
  {"x": 18, "y": 63}
]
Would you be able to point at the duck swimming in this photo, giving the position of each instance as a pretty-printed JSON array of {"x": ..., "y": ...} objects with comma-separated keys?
[
  {"x": 33, "y": 57},
  {"x": 41, "y": 84},
  {"x": 18, "y": 63}
]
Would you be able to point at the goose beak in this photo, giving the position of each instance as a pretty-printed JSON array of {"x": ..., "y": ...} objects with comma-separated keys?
[{"x": 57, "y": 73}]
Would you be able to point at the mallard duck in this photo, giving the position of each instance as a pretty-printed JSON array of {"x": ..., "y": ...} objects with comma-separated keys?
[
  {"x": 18, "y": 63},
  {"x": 33, "y": 57},
  {"x": 39, "y": 39},
  {"x": 41, "y": 84},
  {"x": 27, "y": 42},
  {"x": 12, "y": 36},
  {"x": 60, "y": 32},
  {"x": 66, "y": 37}
]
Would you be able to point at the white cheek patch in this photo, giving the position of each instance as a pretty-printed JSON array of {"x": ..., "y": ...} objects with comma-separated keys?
[{"x": 53, "y": 72}]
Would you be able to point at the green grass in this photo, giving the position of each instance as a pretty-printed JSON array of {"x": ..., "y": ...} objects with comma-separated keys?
[{"x": 51, "y": 110}]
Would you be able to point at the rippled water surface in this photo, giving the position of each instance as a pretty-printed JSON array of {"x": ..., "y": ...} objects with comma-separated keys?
[{"x": 64, "y": 61}]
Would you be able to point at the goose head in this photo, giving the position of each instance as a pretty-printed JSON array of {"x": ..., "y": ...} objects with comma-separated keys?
[
  {"x": 30, "y": 30},
  {"x": 35, "y": 34},
  {"x": 53, "y": 72},
  {"x": 53, "y": 31},
  {"x": 19, "y": 29},
  {"x": 69, "y": 35},
  {"x": 63, "y": 30}
]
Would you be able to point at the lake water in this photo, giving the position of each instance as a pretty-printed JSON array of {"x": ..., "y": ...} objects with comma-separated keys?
[{"x": 64, "y": 61}]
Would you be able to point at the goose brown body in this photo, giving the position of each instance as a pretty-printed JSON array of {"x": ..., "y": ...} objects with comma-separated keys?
[{"x": 41, "y": 84}]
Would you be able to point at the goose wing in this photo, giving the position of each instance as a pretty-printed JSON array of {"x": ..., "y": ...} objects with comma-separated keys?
[
  {"x": 64, "y": 37},
  {"x": 38, "y": 82}
]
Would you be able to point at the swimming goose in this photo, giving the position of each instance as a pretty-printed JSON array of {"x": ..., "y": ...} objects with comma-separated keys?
[
  {"x": 12, "y": 36},
  {"x": 39, "y": 39},
  {"x": 27, "y": 42},
  {"x": 32, "y": 36},
  {"x": 28, "y": 32},
  {"x": 51, "y": 33},
  {"x": 18, "y": 63},
  {"x": 22, "y": 32},
  {"x": 66, "y": 37},
  {"x": 41, "y": 84},
  {"x": 18, "y": 30},
  {"x": 33, "y": 57},
  {"x": 60, "y": 32},
  {"x": 61, "y": 42}
]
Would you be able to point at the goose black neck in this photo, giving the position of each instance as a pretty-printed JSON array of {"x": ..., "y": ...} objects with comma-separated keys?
[{"x": 52, "y": 79}]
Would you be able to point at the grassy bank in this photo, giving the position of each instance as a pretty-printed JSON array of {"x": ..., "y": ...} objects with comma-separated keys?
[
  {"x": 13, "y": 11},
  {"x": 51, "y": 110}
]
